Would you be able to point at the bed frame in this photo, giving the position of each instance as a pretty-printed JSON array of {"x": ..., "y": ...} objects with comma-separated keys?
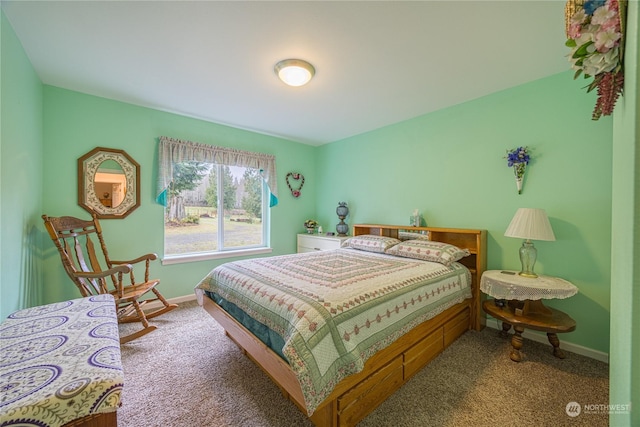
[{"x": 359, "y": 394}]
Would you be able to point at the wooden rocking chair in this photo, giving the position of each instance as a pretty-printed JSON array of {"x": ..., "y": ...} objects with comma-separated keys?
[{"x": 73, "y": 238}]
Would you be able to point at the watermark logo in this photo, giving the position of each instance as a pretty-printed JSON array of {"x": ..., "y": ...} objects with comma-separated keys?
[
  {"x": 573, "y": 409},
  {"x": 616, "y": 408}
]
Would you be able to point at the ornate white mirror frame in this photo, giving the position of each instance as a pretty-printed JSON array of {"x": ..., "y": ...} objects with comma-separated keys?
[{"x": 88, "y": 198}]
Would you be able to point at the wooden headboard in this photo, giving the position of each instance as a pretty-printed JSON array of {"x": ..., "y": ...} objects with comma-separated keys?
[{"x": 473, "y": 240}]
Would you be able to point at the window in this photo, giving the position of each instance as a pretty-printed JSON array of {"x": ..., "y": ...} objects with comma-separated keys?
[{"x": 213, "y": 208}]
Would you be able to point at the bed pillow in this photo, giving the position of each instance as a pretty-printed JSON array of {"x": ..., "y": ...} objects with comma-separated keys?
[
  {"x": 427, "y": 250},
  {"x": 370, "y": 243}
]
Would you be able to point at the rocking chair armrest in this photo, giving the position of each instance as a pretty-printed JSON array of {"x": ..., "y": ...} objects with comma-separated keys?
[
  {"x": 124, "y": 268},
  {"x": 150, "y": 257}
]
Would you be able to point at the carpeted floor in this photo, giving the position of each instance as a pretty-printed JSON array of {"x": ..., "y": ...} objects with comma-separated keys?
[{"x": 187, "y": 373}]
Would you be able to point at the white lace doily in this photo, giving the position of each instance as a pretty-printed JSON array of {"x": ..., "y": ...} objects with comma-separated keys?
[{"x": 513, "y": 286}]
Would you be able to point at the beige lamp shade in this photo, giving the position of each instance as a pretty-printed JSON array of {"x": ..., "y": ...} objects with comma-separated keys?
[{"x": 531, "y": 224}]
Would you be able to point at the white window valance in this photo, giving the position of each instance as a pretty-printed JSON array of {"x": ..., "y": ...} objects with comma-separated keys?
[{"x": 173, "y": 151}]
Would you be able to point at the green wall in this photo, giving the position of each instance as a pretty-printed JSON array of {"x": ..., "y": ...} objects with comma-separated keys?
[
  {"x": 625, "y": 280},
  {"x": 450, "y": 166},
  {"x": 75, "y": 123},
  {"x": 20, "y": 175}
]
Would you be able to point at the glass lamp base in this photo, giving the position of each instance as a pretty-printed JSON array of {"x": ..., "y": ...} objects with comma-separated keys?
[
  {"x": 528, "y": 256},
  {"x": 528, "y": 275},
  {"x": 342, "y": 228}
]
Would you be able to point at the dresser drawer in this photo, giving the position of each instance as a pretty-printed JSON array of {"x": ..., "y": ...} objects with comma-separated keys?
[{"x": 314, "y": 242}]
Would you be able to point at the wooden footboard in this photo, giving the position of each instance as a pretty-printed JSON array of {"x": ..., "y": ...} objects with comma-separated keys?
[{"x": 359, "y": 394}]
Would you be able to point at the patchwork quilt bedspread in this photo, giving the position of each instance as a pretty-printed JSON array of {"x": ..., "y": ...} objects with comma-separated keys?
[
  {"x": 335, "y": 309},
  {"x": 60, "y": 362}
]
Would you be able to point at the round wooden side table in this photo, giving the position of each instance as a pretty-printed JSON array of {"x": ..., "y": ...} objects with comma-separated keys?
[{"x": 518, "y": 303}]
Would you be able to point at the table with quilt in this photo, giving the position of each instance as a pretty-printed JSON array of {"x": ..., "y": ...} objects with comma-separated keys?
[{"x": 60, "y": 362}]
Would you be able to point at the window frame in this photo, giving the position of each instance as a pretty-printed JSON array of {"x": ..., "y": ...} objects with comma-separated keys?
[
  {"x": 171, "y": 151},
  {"x": 264, "y": 248}
]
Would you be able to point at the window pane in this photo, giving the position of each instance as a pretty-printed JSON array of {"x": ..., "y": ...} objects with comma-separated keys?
[
  {"x": 243, "y": 207},
  {"x": 201, "y": 217}
]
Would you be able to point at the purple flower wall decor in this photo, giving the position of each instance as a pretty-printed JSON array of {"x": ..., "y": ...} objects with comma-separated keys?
[{"x": 518, "y": 159}]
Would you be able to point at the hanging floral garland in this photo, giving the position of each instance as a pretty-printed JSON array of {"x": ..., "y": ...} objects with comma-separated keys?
[
  {"x": 296, "y": 177},
  {"x": 595, "y": 32}
]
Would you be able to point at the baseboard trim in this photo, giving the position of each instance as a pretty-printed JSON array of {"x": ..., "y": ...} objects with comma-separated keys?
[{"x": 542, "y": 338}]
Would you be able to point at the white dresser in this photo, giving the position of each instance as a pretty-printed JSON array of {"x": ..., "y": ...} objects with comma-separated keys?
[{"x": 318, "y": 242}]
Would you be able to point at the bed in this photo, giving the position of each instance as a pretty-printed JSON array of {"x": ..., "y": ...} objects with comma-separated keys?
[{"x": 339, "y": 331}]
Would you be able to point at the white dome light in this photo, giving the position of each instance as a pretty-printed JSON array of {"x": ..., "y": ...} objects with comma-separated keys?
[{"x": 294, "y": 72}]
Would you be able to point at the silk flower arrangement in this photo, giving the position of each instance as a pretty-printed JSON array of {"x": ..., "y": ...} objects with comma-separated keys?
[
  {"x": 518, "y": 159},
  {"x": 596, "y": 37}
]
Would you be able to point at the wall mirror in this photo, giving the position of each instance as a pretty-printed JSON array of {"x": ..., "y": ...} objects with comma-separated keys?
[{"x": 108, "y": 183}]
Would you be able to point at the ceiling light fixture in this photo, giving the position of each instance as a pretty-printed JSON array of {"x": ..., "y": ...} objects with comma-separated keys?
[{"x": 294, "y": 72}]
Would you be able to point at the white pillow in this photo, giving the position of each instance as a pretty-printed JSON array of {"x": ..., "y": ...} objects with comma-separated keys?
[
  {"x": 428, "y": 250},
  {"x": 370, "y": 243}
]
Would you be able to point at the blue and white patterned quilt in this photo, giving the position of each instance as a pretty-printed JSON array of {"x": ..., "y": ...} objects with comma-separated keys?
[{"x": 60, "y": 362}]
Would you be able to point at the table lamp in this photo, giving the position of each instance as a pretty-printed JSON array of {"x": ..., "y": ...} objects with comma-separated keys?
[{"x": 530, "y": 224}]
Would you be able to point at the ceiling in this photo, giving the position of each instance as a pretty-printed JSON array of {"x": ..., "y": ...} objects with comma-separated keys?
[{"x": 377, "y": 63}]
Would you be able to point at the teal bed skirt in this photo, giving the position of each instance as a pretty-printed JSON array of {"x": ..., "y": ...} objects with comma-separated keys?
[{"x": 260, "y": 330}]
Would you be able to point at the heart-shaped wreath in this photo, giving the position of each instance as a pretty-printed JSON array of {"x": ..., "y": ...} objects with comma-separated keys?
[{"x": 296, "y": 177}]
